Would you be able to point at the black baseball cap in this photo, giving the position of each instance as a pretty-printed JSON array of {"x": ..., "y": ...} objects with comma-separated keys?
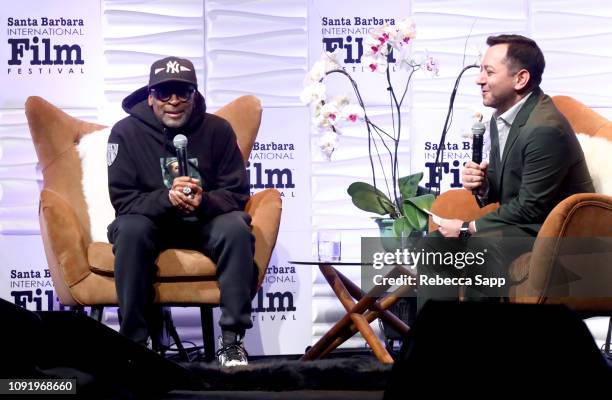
[{"x": 172, "y": 69}]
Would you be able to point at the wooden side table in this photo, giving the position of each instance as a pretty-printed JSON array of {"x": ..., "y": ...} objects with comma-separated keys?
[{"x": 361, "y": 310}]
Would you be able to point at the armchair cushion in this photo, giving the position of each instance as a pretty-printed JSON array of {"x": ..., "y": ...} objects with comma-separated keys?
[
  {"x": 93, "y": 153},
  {"x": 171, "y": 263},
  {"x": 597, "y": 152}
]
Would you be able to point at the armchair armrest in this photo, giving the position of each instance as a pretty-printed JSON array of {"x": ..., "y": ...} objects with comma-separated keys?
[
  {"x": 265, "y": 210},
  {"x": 580, "y": 215},
  {"x": 460, "y": 204},
  {"x": 583, "y": 215}
]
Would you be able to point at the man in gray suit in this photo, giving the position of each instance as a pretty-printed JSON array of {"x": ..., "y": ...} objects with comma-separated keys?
[{"x": 535, "y": 160}]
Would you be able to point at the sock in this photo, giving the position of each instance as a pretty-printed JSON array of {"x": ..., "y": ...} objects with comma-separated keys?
[{"x": 230, "y": 337}]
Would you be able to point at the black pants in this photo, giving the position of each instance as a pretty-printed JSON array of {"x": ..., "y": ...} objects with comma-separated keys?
[
  {"x": 226, "y": 239},
  {"x": 501, "y": 247}
]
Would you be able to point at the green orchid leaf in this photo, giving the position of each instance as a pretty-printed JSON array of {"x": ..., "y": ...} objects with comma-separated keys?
[
  {"x": 414, "y": 210},
  {"x": 423, "y": 202},
  {"x": 401, "y": 227},
  {"x": 415, "y": 217},
  {"x": 409, "y": 185},
  {"x": 367, "y": 198}
]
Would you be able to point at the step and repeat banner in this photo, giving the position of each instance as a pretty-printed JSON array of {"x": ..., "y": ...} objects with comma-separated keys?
[{"x": 86, "y": 56}]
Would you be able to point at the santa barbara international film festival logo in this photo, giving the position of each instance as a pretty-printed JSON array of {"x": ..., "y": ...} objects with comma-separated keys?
[
  {"x": 275, "y": 300},
  {"x": 32, "y": 289},
  {"x": 268, "y": 167},
  {"x": 44, "y": 46},
  {"x": 455, "y": 154},
  {"x": 347, "y": 34}
]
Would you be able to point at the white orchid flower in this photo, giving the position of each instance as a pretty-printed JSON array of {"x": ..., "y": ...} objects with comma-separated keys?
[
  {"x": 404, "y": 59},
  {"x": 331, "y": 60},
  {"x": 406, "y": 31},
  {"x": 431, "y": 66},
  {"x": 330, "y": 113},
  {"x": 352, "y": 113},
  {"x": 320, "y": 121},
  {"x": 371, "y": 46},
  {"x": 341, "y": 101},
  {"x": 328, "y": 143},
  {"x": 381, "y": 37},
  {"x": 375, "y": 64},
  {"x": 327, "y": 115},
  {"x": 316, "y": 73},
  {"x": 313, "y": 93}
]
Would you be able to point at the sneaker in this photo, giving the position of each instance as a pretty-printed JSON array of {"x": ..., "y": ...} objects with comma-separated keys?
[{"x": 232, "y": 354}]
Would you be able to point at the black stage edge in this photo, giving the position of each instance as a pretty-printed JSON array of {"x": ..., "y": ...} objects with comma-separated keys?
[
  {"x": 62, "y": 344},
  {"x": 492, "y": 349}
]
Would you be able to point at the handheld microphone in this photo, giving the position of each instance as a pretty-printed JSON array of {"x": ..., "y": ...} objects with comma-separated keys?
[
  {"x": 180, "y": 144},
  {"x": 478, "y": 130}
]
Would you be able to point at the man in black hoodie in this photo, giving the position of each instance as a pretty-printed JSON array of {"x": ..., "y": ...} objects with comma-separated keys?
[{"x": 156, "y": 210}]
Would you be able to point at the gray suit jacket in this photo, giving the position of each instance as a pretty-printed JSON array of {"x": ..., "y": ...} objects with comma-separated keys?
[{"x": 542, "y": 164}]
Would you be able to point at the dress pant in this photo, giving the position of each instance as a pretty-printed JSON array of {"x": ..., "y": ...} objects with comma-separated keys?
[{"x": 499, "y": 247}]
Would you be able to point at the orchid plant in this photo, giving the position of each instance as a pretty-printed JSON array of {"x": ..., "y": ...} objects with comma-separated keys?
[{"x": 402, "y": 202}]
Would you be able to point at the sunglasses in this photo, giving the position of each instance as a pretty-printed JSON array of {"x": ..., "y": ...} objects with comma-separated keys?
[{"x": 164, "y": 93}]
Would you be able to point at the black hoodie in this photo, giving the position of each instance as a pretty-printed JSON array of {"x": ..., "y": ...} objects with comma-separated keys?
[{"x": 140, "y": 147}]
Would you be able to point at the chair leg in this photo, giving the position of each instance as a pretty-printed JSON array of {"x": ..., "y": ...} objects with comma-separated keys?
[
  {"x": 171, "y": 329},
  {"x": 608, "y": 340},
  {"x": 97, "y": 313},
  {"x": 208, "y": 333}
]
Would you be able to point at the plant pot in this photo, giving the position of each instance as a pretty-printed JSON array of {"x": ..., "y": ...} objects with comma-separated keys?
[
  {"x": 405, "y": 308},
  {"x": 389, "y": 241}
]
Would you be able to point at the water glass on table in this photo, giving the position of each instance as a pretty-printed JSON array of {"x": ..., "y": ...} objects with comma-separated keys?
[{"x": 329, "y": 245}]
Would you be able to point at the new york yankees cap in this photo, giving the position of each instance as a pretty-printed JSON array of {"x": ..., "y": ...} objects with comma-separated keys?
[{"x": 172, "y": 69}]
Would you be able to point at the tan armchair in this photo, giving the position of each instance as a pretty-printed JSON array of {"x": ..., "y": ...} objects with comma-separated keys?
[
  {"x": 588, "y": 215},
  {"x": 82, "y": 270}
]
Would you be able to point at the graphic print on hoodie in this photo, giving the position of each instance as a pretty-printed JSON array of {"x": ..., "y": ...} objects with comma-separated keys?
[{"x": 170, "y": 169}]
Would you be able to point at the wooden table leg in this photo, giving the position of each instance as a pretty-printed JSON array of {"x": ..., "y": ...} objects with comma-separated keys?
[
  {"x": 355, "y": 313},
  {"x": 380, "y": 311},
  {"x": 325, "y": 343},
  {"x": 368, "y": 334},
  {"x": 379, "y": 308},
  {"x": 332, "y": 276}
]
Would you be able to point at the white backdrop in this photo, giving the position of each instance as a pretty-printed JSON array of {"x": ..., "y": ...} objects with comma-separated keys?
[{"x": 265, "y": 48}]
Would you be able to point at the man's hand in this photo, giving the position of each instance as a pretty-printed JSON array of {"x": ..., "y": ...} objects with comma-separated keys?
[
  {"x": 474, "y": 176},
  {"x": 185, "y": 203},
  {"x": 450, "y": 227}
]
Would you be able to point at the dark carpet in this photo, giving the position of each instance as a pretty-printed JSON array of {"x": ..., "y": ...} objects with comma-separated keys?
[{"x": 357, "y": 373}]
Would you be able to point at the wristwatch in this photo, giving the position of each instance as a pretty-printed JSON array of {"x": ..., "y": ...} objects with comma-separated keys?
[{"x": 464, "y": 231}]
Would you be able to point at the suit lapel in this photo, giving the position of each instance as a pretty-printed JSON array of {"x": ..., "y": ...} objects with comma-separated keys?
[
  {"x": 515, "y": 130},
  {"x": 494, "y": 153}
]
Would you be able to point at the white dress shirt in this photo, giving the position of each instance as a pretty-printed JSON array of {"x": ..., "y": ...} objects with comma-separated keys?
[{"x": 504, "y": 123}]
